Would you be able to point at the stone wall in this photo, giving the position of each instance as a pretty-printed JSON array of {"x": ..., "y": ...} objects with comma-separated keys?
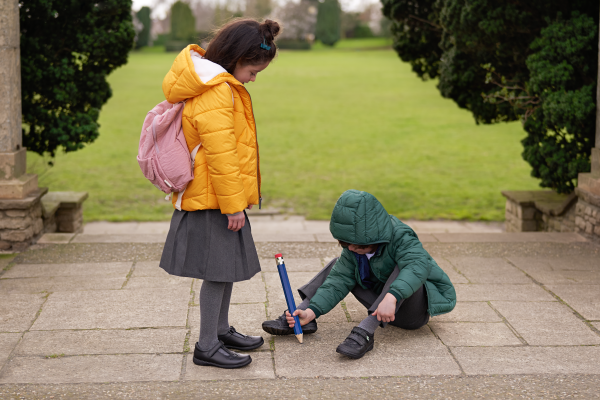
[
  {"x": 587, "y": 220},
  {"x": 21, "y": 221}
]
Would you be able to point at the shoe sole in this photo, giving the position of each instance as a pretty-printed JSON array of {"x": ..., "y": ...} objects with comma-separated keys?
[
  {"x": 246, "y": 348},
  {"x": 209, "y": 364},
  {"x": 283, "y": 332},
  {"x": 355, "y": 356}
]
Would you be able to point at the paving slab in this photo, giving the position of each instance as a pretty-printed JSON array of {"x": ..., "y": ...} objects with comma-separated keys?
[
  {"x": 474, "y": 334},
  {"x": 585, "y": 299},
  {"x": 149, "y": 268},
  {"x": 8, "y": 341},
  {"x": 59, "y": 284},
  {"x": 17, "y": 311},
  {"x": 151, "y": 282},
  {"x": 278, "y": 237},
  {"x": 396, "y": 352},
  {"x": 292, "y": 264},
  {"x": 532, "y": 386},
  {"x": 100, "y": 368},
  {"x": 124, "y": 238},
  {"x": 325, "y": 238},
  {"x": 596, "y": 325},
  {"x": 113, "y": 309},
  {"x": 455, "y": 276},
  {"x": 529, "y": 360},
  {"x": 82, "y": 269},
  {"x": 427, "y": 238},
  {"x": 571, "y": 263},
  {"x": 250, "y": 291},
  {"x": 46, "y": 343},
  {"x": 546, "y": 323},
  {"x": 56, "y": 238},
  {"x": 518, "y": 237},
  {"x": 355, "y": 309},
  {"x": 246, "y": 318},
  {"x": 488, "y": 270},
  {"x": 466, "y": 311},
  {"x": 261, "y": 367},
  {"x": 509, "y": 292}
]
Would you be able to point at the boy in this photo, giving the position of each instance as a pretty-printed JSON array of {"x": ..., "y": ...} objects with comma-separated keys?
[{"x": 385, "y": 267}]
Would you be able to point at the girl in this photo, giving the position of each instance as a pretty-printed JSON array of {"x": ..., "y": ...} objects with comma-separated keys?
[{"x": 210, "y": 237}]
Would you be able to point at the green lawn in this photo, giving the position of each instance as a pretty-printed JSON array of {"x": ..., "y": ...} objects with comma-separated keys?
[{"x": 327, "y": 121}]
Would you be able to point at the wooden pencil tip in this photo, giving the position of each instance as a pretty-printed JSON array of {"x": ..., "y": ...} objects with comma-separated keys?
[{"x": 300, "y": 338}]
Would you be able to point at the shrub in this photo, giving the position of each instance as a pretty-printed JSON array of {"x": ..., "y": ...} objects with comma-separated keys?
[
  {"x": 68, "y": 48},
  {"x": 328, "y": 22},
  {"x": 536, "y": 61}
]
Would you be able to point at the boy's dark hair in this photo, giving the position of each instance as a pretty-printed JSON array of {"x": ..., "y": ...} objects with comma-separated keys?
[
  {"x": 240, "y": 40},
  {"x": 346, "y": 244}
]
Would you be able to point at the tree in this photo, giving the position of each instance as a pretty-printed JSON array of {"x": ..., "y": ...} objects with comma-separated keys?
[
  {"x": 329, "y": 22},
  {"x": 68, "y": 48},
  {"x": 535, "y": 61},
  {"x": 183, "y": 23},
  {"x": 143, "y": 37}
]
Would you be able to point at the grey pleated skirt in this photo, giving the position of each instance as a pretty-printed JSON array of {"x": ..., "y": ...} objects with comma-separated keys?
[{"x": 199, "y": 245}]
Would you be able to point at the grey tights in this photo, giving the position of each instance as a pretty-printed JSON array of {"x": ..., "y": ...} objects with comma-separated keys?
[{"x": 214, "y": 312}]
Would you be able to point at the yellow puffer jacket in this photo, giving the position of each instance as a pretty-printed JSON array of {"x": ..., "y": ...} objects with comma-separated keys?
[{"x": 219, "y": 115}]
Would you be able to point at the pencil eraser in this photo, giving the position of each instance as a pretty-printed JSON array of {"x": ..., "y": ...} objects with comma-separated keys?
[{"x": 278, "y": 255}]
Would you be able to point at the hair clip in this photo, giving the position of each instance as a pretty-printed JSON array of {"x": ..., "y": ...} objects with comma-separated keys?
[{"x": 263, "y": 45}]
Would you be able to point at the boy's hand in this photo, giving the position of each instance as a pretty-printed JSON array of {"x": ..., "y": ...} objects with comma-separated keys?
[
  {"x": 305, "y": 316},
  {"x": 386, "y": 311}
]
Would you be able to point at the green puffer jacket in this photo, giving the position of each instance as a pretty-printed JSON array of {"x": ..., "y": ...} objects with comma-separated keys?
[{"x": 359, "y": 218}]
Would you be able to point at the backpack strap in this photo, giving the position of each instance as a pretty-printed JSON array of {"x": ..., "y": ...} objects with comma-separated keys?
[{"x": 180, "y": 194}]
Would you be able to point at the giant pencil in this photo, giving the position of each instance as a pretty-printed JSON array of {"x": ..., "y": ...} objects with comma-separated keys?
[{"x": 289, "y": 298}]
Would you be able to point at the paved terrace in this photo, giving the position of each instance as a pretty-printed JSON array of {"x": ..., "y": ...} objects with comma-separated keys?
[{"x": 92, "y": 315}]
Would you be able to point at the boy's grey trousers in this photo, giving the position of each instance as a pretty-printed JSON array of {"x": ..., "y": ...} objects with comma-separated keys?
[{"x": 411, "y": 313}]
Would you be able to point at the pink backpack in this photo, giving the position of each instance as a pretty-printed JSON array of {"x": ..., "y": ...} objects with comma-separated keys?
[{"x": 163, "y": 153}]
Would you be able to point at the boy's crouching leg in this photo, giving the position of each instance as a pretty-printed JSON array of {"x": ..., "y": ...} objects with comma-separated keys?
[{"x": 412, "y": 313}]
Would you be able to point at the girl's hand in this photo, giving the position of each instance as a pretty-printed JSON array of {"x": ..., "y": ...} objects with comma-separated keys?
[
  {"x": 386, "y": 311},
  {"x": 236, "y": 221},
  {"x": 305, "y": 316},
  {"x": 249, "y": 206}
]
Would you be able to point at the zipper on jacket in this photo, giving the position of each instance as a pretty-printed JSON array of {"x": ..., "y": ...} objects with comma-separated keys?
[{"x": 258, "y": 180}]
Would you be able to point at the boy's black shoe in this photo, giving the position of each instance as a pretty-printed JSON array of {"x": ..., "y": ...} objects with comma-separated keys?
[
  {"x": 235, "y": 340},
  {"x": 220, "y": 356},
  {"x": 357, "y": 343},
  {"x": 280, "y": 326}
]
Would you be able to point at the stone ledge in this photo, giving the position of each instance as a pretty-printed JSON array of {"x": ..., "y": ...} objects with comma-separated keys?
[
  {"x": 66, "y": 199},
  {"x": 588, "y": 197},
  {"x": 546, "y": 201}
]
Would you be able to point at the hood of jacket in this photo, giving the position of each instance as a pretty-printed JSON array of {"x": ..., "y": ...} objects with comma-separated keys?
[
  {"x": 191, "y": 75},
  {"x": 359, "y": 218}
]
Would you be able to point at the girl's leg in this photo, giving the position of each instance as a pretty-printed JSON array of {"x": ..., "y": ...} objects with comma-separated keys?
[
  {"x": 211, "y": 298},
  {"x": 223, "y": 327}
]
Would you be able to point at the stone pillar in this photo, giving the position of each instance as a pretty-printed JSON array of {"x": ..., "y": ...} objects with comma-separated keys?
[
  {"x": 20, "y": 215},
  {"x": 588, "y": 185}
]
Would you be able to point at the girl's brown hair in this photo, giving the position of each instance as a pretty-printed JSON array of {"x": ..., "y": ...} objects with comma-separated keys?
[{"x": 240, "y": 40}]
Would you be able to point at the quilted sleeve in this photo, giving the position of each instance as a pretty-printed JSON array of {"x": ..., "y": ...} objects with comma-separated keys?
[
  {"x": 412, "y": 260},
  {"x": 339, "y": 283},
  {"x": 213, "y": 120}
]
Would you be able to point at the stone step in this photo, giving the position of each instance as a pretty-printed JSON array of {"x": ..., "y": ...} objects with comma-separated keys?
[{"x": 589, "y": 182}]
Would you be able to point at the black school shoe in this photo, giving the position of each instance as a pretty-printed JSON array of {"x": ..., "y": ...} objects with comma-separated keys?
[
  {"x": 356, "y": 344},
  {"x": 235, "y": 340},
  {"x": 280, "y": 326},
  {"x": 221, "y": 357}
]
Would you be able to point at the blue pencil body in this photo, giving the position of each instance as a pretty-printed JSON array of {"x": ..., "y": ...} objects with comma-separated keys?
[{"x": 289, "y": 298}]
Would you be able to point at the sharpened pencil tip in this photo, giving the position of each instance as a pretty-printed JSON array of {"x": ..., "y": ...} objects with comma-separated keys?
[{"x": 300, "y": 338}]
